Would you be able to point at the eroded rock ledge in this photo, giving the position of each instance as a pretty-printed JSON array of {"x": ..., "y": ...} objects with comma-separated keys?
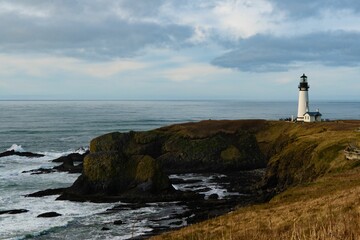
[{"x": 133, "y": 165}]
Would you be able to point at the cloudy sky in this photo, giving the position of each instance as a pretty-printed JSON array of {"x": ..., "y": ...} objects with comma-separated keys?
[{"x": 179, "y": 49}]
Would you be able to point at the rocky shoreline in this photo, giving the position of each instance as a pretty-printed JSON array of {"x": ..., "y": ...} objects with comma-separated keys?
[
  {"x": 196, "y": 206},
  {"x": 252, "y": 160},
  {"x": 141, "y": 168}
]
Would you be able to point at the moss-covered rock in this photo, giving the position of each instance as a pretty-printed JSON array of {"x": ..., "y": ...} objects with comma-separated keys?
[
  {"x": 135, "y": 162},
  {"x": 110, "y": 142},
  {"x": 177, "y": 152},
  {"x": 113, "y": 173},
  {"x": 230, "y": 154},
  {"x": 149, "y": 171},
  {"x": 218, "y": 152}
]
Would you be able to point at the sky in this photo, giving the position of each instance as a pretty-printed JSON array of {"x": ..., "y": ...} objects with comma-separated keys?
[{"x": 179, "y": 49}]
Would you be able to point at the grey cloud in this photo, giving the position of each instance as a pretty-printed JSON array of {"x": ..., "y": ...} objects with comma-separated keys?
[
  {"x": 142, "y": 7},
  {"x": 85, "y": 29},
  {"x": 309, "y": 8},
  {"x": 265, "y": 53}
]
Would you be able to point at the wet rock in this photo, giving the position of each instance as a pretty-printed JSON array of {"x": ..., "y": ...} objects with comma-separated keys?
[
  {"x": 14, "y": 211},
  {"x": 128, "y": 206},
  {"x": 105, "y": 229},
  {"x": 40, "y": 171},
  {"x": 22, "y": 154},
  {"x": 118, "y": 222},
  {"x": 177, "y": 223},
  {"x": 69, "y": 167},
  {"x": 72, "y": 157},
  {"x": 49, "y": 215},
  {"x": 66, "y": 166},
  {"x": 47, "y": 192},
  {"x": 214, "y": 196},
  {"x": 68, "y": 162},
  {"x": 184, "y": 181}
]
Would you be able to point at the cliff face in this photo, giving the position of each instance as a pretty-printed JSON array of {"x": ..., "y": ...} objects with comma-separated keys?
[
  {"x": 300, "y": 153},
  {"x": 195, "y": 147},
  {"x": 133, "y": 164},
  {"x": 323, "y": 187},
  {"x": 137, "y": 161}
]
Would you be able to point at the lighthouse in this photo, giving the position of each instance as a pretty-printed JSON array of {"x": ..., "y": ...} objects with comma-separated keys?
[
  {"x": 304, "y": 114},
  {"x": 303, "y": 104}
]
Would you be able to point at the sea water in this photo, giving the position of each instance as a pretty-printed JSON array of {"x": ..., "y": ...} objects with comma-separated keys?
[{"x": 57, "y": 128}]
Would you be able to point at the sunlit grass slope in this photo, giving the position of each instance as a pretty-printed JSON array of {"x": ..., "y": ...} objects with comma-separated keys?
[{"x": 319, "y": 189}]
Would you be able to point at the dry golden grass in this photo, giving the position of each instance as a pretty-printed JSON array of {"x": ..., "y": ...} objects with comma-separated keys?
[
  {"x": 209, "y": 127},
  {"x": 326, "y": 209}
]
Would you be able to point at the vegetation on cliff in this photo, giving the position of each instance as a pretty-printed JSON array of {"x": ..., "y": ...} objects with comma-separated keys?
[
  {"x": 321, "y": 197},
  {"x": 134, "y": 163},
  {"x": 316, "y": 188}
]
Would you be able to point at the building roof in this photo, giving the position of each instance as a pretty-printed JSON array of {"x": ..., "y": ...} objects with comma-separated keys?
[{"x": 313, "y": 114}]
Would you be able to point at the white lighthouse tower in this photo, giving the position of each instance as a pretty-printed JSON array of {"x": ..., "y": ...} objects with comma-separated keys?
[{"x": 303, "y": 104}]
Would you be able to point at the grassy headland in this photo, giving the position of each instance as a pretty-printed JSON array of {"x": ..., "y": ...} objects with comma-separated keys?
[{"x": 318, "y": 189}]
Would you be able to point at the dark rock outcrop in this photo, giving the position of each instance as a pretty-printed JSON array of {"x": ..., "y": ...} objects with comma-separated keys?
[
  {"x": 179, "y": 153},
  {"x": 66, "y": 166},
  {"x": 118, "y": 222},
  {"x": 40, "y": 171},
  {"x": 13, "y": 211},
  {"x": 47, "y": 192},
  {"x": 131, "y": 166},
  {"x": 72, "y": 157},
  {"x": 49, "y": 215},
  {"x": 110, "y": 176},
  {"x": 68, "y": 162},
  {"x": 21, "y": 154}
]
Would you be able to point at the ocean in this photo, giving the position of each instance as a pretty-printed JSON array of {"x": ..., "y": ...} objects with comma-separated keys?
[{"x": 57, "y": 128}]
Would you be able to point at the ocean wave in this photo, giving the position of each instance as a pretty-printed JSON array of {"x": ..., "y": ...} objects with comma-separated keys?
[
  {"x": 54, "y": 155},
  {"x": 16, "y": 148}
]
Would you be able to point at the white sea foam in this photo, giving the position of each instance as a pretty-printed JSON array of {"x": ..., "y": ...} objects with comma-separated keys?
[
  {"x": 16, "y": 148},
  {"x": 206, "y": 185},
  {"x": 15, "y": 185},
  {"x": 78, "y": 220},
  {"x": 82, "y": 150},
  {"x": 27, "y": 223}
]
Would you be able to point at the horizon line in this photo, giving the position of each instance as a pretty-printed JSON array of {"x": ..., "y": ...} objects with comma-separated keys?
[{"x": 184, "y": 100}]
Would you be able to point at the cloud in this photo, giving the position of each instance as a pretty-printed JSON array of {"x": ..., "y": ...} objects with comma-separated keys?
[
  {"x": 263, "y": 53},
  {"x": 215, "y": 20},
  {"x": 195, "y": 72},
  {"x": 29, "y": 11},
  {"x": 92, "y": 31},
  {"x": 310, "y": 8},
  {"x": 259, "y": 36},
  {"x": 105, "y": 30},
  {"x": 44, "y": 66}
]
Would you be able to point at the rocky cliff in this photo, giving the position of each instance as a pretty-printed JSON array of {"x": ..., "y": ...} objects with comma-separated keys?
[
  {"x": 300, "y": 153},
  {"x": 322, "y": 186},
  {"x": 133, "y": 164},
  {"x": 137, "y": 162}
]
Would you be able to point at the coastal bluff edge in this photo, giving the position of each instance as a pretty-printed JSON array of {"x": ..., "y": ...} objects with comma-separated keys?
[{"x": 135, "y": 165}]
